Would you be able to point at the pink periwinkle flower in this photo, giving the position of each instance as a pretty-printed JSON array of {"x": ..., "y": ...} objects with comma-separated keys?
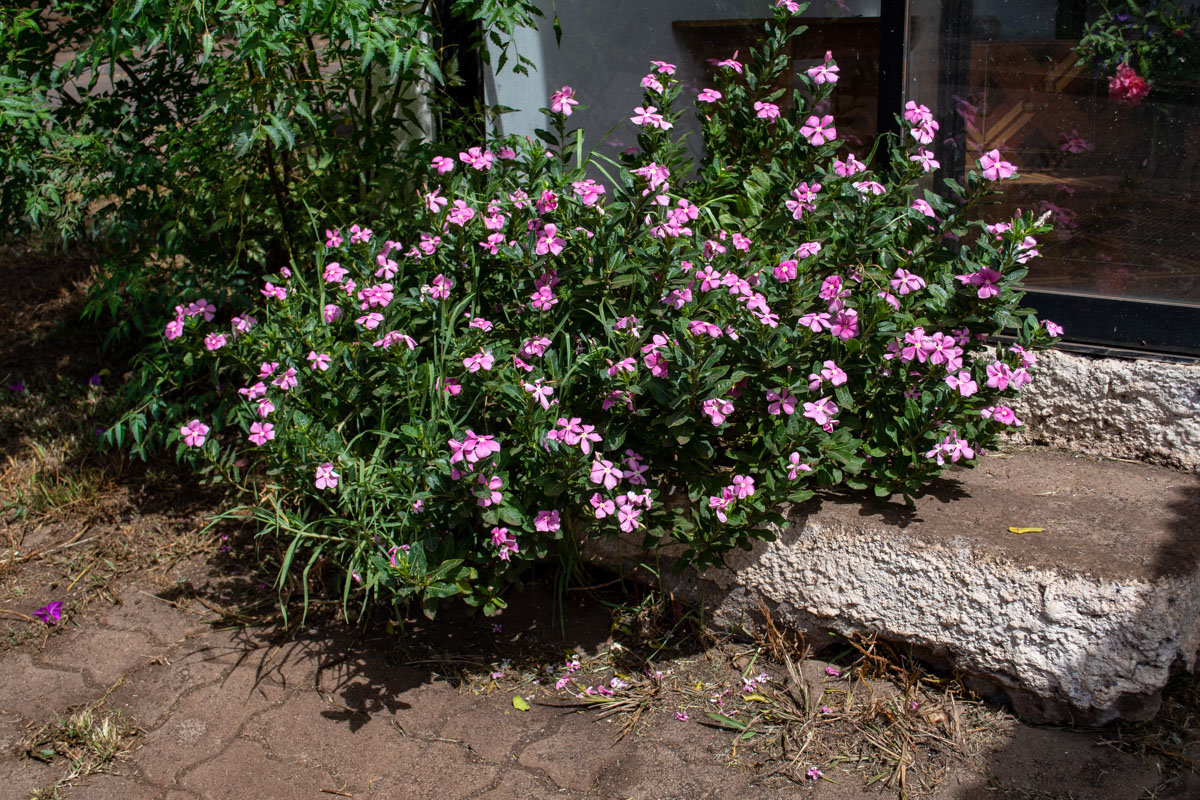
[
  {"x": 491, "y": 494},
  {"x": 1002, "y": 414},
  {"x": 319, "y": 361},
  {"x": 265, "y": 407},
  {"x": 286, "y": 380},
  {"x": 742, "y": 486},
  {"x": 549, "y": 241},
  {"x": 333, "y": 238},
  {"x": 1052, "y": 328},
  {"x": 995, "y": 167},
  {"x": 824, "y": 73},
  {"x": 334, "y": 272},
  {"x": 797, "y": 466},
  {"x": 805, "y": 196},
  {"x": 481, "y": 360},
  {"x": 925, "y": 159},
  {"x": 605, "y": 472},
  {"x": 541, "y": 393},
  {"x": 563, "y": 101},
  {"x": 648, "y": 116},
  {"x": 547, "y": 521},
  {"x": 270, "y": 291},
  {"x": 986, "y": 279},
  {"x": 767, "y": 111},
  {"x": 819, "y": 130},
  {"x": 443, "y": 164},
  {"x": 732, "y": 63},
  {"x": 326, "y": 477},
  {"x": 717, "y": 408},
  {"x": 331, "y": 313},
  {"x": 963, "y": 382},
  {"x": 924, "y": 207},
  {"x": 822, "y": 411},
  {"x": 906, "y": 282},
  {"x": 267, "y": 368},
  {"x": 781, "y": 402},
  {"x": 850, "y": 167},
  {"x": 261, "y": 432},
  {"x": 869, "y": 188},
  {"x": 194, "y": 433},
  {"x": 215, "y": 341},
  {"x": 602, "y": 506},
  {"x": 477, "y": 158},
  {"x": 708, "y": 96},
  {"x": 360, "y": 234},
  {"x": 505, "y": 543}
]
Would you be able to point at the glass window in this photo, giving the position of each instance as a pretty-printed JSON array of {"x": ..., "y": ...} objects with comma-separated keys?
[{"x": 1103, "y": 126}]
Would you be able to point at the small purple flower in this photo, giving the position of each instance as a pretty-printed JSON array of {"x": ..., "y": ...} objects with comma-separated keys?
[
  {"x": 834, "y": 671},
  {"x": 95, "y": 379},
  {"x": 18, "y": 387},
  {"x": 50, "y": 613}
]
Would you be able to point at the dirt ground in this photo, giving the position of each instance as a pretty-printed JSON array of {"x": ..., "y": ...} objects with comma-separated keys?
[{"x": 171, "y": 673}]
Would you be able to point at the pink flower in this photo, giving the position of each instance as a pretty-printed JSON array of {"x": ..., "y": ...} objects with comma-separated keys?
[
  {"x": 535, "y": 348},
  {"x": 663, "y": 67},
  {"x": 477, "y": 158},
  {"x": 824, "y": 73},
  {"x": 541, "y": 394},
  {"x": 265, "y": 406},
  {"x": 805, "y": 199},
  {"x": 926, "y": 160},
  {"x": 822, "y": 411},
  {"x": 491, "y": 494},
  {"x": 215, "y": 341},
  {"x": 717, "y": 409},
  {"x": 50, "y": 613},
  {"x": 1002, "y": 414},
  {"x": 563, "y": 101},
  {"x": 767, "y": 111},
  {"x": 924, "y": 208},
  {"x": 605, "y": 472},
  {"x": 174, "y": 329},
  {"x": 435, "y": 202},
  {"x": 547, "y": 521},
  {"x": 796, "y": 466},
  {"x": 1052, "y": 328},
  {"x": 287, "y": 380},
  {"x": 505, "y": 542},
  {"x": 652, "y": 83},
  {"x": 261, "y": 432},
  {"x": 815, "y": 322},
  {"x": 963, "y": 382},
  {"x": 481, "y": 360},
  {"x": 819, "y": 130},
  {"x": 851, "y": 166},
  {"x": 270, "y": 290},
  {"x": 360, "y": 234},
  {"x": 986, "y": 279},
  {"x": 815, "y": 774},
  {"x": 334, "y": 272},
  {"x": 331, "y": 313},
  {"x": 785, "y": 271},
  {"x": 906, "y": 282},
  {"x": 319, "y": 361},
  {"x": 549, "y": 241},
  {"x": 332, "y": 238},
  {"x": 370, "y": 321},
  {"x": 780, "y": 402},
  {"x": 601, "y": 506},
  {"x": 450, "y": 386},
  {"x": 869, "y": 187},
  {"x": 649, "y": 116},
  {"x": 254, "y": 392},
  {"x": 443, "y": 164},
  {"x": 543, "y": 299},
  {"x": 708, "y": 96},
  {"x": 807, "y": 249},
  {"x": 742, "y": 486},
  {"x": 1127, "y": 87},
  {"x": 994, "y": 167},
  {"x": 732, "y": 63},
  {"x": 588, "y": 191},
  {"x": 194, "y": 433}
]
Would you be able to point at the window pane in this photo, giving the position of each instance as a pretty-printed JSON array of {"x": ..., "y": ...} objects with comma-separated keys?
[{"x": 1116, "y": 170}]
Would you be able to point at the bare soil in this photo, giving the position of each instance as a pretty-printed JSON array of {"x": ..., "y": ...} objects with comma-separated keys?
[{"x": 172, "y": 636}]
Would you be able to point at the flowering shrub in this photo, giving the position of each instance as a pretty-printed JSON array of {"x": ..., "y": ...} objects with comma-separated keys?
[
  {"x": 552, "y": 346},
  {"x": 1132, "y": 44}
]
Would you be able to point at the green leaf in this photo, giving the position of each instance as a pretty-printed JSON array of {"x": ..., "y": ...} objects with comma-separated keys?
[{"x": 520, "y": 703}]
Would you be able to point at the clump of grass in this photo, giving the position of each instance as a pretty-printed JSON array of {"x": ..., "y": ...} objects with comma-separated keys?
[{"x": 87, "y": 742}]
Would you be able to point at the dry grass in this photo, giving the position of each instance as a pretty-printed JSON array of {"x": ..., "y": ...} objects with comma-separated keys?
[{"x": 88, "y": 741}]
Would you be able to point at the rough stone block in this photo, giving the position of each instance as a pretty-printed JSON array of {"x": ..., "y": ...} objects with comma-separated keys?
[{"x": 1082, "y": 621}]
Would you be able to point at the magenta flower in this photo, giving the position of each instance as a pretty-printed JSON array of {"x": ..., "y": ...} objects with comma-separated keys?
[
  {"x": 286, "y": 380},
  {"x": 601, "y": 506},
  {"x": 648, "y": 116},
  {"x": 906, "y": 282},
  {"x": 261, "y": 432},
  {"x": 767, "y": 111},
  {"x": 708, "y": 96},
  {"x": 822, "y": 411},
  {"x": 478, "y": 158},
  {"x": 1002, "y": 414},
  {"x": 319, "y": 361},
  {"x": 541, "y": 394},
  {"x": 360, "y": 235},
  {"x": 824, "y": 73},
  {"x": 491, "y": 494},
  {"x": 663, "y": 67},
  {"x": 543, "y": 299},
  {"x": 481, "y": 360},
  {"x": 819, "y": 130},
  {"x": 443, "y": 164},
  {"x": 326, "y": 477},
  {"x": 807, "y": 249},
  {"x": 270, "y": 290},
  {"x": 334, "y": 272},
  {"x": 215, "y": 341},
  {"x": 717, "y": 409},
  {"x": 986, "y": 279},
  {"x": 926, "y": 160},
  {"x": 781, "y": 402},
  {"x": 851, "y": 166},
  {"x": 994, "y": 167},
  {"x": 924, "y": 208},
  {"x": 605, "y": 472},
  {"x": 815, "y": 774},
  {"x": 681, "y": 716},
  {"x": 174, "y": 329},
  {"x": 254, "y": 392},
  {"x": 805, "y": 199},
  {"x": 869, "y": 187},
  {"x": 331, "y": 313},
  {"x": 652, "y": 83},
  {"x": 549, "y": 241},
  {"x": 732, "y": 63},
  {"x": 547, "y": 521},
  {"x": 435, "y": 202},
  {"x": 1052, "y": 328},
  {"x": 742, "y": 486},
  {"x": 265, "y": 406},
  {"x": 332, "y": 238},
  {"x": 505, "y": 543},
  {"x": 797, "y": 466},
  {"x": 563, "y": 101},
  {"x": 194, "y": 433},
  {"x": 963, "y": 382},
  {"x": 50, "y": 613}
]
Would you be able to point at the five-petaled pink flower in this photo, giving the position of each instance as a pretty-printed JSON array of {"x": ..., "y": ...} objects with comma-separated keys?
[
  {"x": 994, "y": 167},
  {"x": 605, "y": 472},
  {"x": 824, "y": 73},
  {"x": 326, "y": 477},
  {"x": 319, "y": 361},
  {"x": 261, "y": 432},
  {"x": 797, "y": 466},
  {"x": 781, "y": 402},
  {"x": 822, "y": 411},
  {"x": 443, "y": 164},
  {"x": 767, "y": 111},
  {"x": 708, "y": 96},
  {"x": 563, "y": 101},
  {"x": 819, "y": 130},
  {"x": 270, "y": 290},
  {"x": 547, "y": 521},
  {"x": 194, "y": 433},
  {"x": 649, "y": 116},
  {"x": 906, "y": 282},
  {"x": 481, "y": 360}
]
